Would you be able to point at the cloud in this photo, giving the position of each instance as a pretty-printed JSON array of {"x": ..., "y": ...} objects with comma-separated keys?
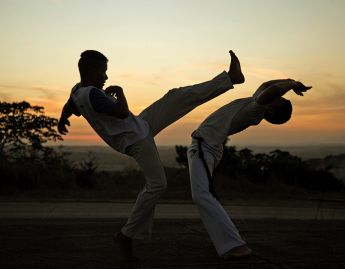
[
  {"x": 4, "y": 96},
  {"x": 263, "y": 73},
  {"x": 52, "y": 99},
  {"x": 143, "y": 78},
  {"x": 47, "y": 93},
  {"x": 11, "y": 91},
  {"x": 326, "y": 98}
]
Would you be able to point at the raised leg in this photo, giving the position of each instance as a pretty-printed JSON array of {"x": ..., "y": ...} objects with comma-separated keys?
[{"x": 180, "y": 101}]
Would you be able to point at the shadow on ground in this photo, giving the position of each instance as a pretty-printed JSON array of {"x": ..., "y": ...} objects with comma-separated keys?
[{"x": 75, "y": 243}]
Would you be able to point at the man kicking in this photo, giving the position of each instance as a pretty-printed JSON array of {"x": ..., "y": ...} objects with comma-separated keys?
[
  {"x": 108, "y": 114},
  {"x": 207, "y": 147}
]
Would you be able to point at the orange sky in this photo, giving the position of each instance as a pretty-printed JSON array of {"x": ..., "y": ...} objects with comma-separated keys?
[{"x": 153, "y": 46}]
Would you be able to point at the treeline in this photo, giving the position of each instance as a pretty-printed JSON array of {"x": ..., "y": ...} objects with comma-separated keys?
[
  {"x": 27, "y": 166},
  {"x": 239, "y": 173},
  {"x": 241, "y": 168}
]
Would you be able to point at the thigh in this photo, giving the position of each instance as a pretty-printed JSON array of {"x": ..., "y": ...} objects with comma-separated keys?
[
  {"x": 179, "y": 101},
  {"x": 197, "y": 172},
  {"x": 146, "y": 155},
  {"x": 165, "y": 111}
]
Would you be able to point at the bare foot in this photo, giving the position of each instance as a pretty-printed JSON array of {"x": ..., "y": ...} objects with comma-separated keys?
[
  {"x": 235, "y": 71},
  {"x": 237, "y": 252}
]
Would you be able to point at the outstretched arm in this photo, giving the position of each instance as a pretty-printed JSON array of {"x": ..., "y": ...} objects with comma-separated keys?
[
  {"x": 278, "y": 88},
  {"x": 269, "y": 83},
  {"x": 68, "y": 110}
]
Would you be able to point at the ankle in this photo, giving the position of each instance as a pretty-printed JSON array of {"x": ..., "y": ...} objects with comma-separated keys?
[
  {"x": 236, "y": 78},
  {"x": 122, "y": 236}
]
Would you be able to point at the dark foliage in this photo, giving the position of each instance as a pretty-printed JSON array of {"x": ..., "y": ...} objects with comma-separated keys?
[
  {"x": 276, "y": 167},
  {"x": 181, "y": 158},
  {"x": 23, "y": 125},
  {"x": 86, "y": 177},
  {"x": 27, "y": 165}
]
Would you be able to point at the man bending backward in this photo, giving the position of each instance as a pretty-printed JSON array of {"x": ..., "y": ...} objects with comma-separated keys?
[{"x": 206, "y": 151}]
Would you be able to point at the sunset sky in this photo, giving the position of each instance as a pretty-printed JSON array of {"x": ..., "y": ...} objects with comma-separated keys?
[{"x": 156, "y": 45}]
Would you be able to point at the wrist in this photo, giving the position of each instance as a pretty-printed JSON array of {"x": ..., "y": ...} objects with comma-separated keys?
[
  {"x": 119, "y": 92},
  {"x": 119, "y": 89}
]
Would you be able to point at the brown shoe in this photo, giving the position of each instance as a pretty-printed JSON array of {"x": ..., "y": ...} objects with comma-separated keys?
[
  {"x": 237, "y": 252},
  {"x": 125, "y": 245}
]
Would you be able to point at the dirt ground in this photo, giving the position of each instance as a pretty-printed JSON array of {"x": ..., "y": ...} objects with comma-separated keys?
[{"x": 175, "y": 243}]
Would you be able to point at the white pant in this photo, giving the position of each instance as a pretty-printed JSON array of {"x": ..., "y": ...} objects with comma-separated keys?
[
  {"x": 171, "y": 107},
  {"x": 222, "y": 231}
]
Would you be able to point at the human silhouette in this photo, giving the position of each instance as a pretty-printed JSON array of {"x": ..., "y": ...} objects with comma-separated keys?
[
  {"x": 206, "y": 150},
  {"x": 108, "y": 114}
]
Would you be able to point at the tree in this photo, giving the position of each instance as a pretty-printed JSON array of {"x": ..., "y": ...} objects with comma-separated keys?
[
  {"x": 25, "y": 163},
  {"x": 230, "y": 162},
  {"x": 286, "y": 167},
  {"x": 24, "y": 127},
  {"x": 86, "y": 175},
  {"x": 181, "y": 158}
]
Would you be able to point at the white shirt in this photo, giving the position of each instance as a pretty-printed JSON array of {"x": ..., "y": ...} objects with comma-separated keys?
[
  {"x": 230, "y": 119},
  {"x": 117, "y": 133}
]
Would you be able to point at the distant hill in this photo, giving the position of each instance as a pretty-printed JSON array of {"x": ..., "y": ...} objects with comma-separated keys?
[
  {"x": 110, "y": 160},
  {"x": 333, "y": 163},
  {"x": 304, "y": 152}
]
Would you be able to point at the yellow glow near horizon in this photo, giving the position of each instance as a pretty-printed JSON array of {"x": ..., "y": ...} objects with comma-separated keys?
[{"x": 154, "y": 45}]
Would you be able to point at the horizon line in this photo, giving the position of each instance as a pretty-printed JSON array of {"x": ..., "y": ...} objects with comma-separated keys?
[{"x": 239, "y": 145}]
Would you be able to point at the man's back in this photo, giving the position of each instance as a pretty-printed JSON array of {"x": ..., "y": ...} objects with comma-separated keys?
[{"x": 230, "y": 119}]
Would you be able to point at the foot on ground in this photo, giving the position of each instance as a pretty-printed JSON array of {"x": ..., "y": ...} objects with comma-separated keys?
[{"x": 237, "y": 252}]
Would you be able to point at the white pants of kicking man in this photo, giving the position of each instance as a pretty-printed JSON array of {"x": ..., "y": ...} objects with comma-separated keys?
[
  {"x": 171, "y": 107},
  {"x": 222, "y": 231}
]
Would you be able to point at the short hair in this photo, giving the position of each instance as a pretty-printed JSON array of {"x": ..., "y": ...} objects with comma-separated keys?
[
  {"x": 281, "y": 113},
  {"x": 90, "y": 59}
]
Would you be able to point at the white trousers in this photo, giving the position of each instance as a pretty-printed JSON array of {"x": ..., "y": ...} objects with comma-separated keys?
[
  {"x": 171, "y": 107},
  {"x": 222, "y": 231}
]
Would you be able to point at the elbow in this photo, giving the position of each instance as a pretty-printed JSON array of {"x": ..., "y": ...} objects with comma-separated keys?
[
  {"x": 262, "y": 100},
  {"x": 123, "y": 114}
]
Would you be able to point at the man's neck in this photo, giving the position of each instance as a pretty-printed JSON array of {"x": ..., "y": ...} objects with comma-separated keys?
[{"x": 85, "y": 83}]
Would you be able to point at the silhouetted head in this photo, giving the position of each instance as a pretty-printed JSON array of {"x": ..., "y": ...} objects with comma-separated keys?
[
  {"x": 92, "y": 68},
  {"x": 279, "y": 111}
]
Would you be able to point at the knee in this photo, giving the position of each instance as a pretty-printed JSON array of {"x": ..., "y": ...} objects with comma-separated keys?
[
  {"x": 199, "y": 198},
  {"x": 171, "y": 93},
  {"x": 163, "y": 185},
  {"x": 159, "y": 186}
]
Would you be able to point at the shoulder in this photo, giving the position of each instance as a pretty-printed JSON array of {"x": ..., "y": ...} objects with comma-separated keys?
[
  {"x": 95, "y": 92},
  {"x": 259, "y": 91},
  {"x": 252, "y": 107},
  {"x": 79, "y": 91},
  {"x": 257, "y": 106}
]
